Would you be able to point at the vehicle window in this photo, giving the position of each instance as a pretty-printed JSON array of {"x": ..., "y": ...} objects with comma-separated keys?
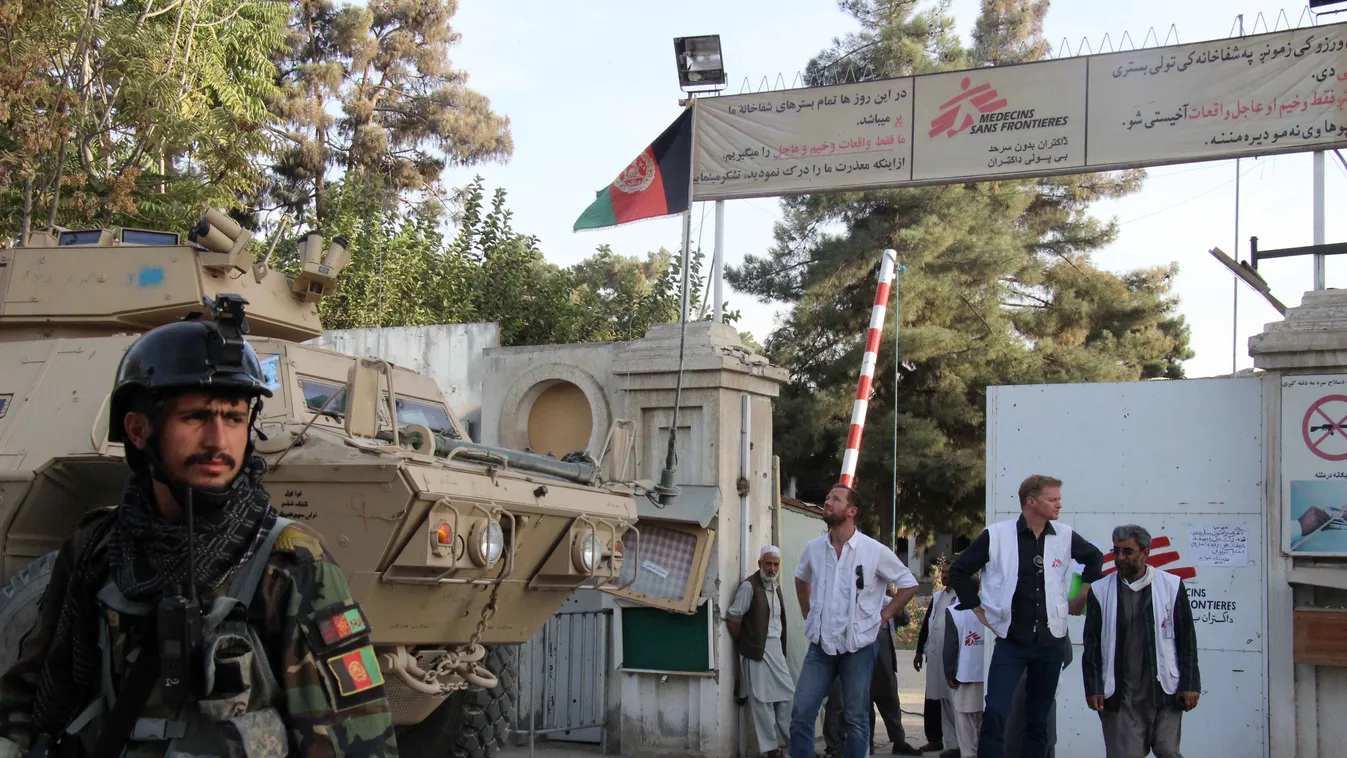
[
  {"x": 432, "y": 415},
  {"x": 316, "y": 394},
  {"x": 410, "y": 411}
]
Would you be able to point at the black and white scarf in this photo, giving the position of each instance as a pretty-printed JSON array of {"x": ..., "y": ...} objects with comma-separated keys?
[
  {"x": 144, "y": 554},
  {"x": 149, "y": 553}
]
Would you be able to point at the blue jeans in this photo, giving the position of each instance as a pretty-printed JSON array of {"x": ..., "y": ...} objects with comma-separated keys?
[
  {"x": 1041, "y": 666},
  {"x": 816, "y": 677}
]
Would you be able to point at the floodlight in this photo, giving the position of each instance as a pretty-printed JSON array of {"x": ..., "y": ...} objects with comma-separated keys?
[
  {"x": 1250, "y": 277},
  {"x": 700, "y": 64}
]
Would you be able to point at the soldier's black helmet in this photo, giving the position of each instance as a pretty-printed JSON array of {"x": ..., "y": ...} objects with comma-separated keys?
[{"x": 179, "y": 357}]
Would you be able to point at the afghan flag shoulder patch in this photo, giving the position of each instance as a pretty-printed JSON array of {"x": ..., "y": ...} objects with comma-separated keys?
[
  {"x": 339, "y": 624},
  {"x": 356, "y": 672}
]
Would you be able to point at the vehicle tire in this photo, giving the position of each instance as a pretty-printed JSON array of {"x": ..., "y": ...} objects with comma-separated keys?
[
  {"x": 18, "y": 606},
  {"x": 471, "y": 723}
]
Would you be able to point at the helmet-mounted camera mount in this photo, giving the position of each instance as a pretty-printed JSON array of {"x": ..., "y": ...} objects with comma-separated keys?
[{"x": 227, "y": 311}]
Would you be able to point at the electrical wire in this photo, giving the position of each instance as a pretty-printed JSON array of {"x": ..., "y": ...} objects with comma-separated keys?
[{"x": 1189, "y": 200}]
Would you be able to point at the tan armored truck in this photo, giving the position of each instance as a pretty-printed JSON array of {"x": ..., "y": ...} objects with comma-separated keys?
[{"x": 452, "y": 548}]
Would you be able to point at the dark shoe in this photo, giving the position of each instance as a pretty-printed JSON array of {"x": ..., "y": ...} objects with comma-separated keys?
[
  {"x": 902, "y": 748},
  {"x": 929, "y": 747},
  {"x": 773, "y": 753},
  {"x": 951, "y": 753}
]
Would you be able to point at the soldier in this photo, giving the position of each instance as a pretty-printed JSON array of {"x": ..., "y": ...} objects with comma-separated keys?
[{"x": 191, "y": 619}]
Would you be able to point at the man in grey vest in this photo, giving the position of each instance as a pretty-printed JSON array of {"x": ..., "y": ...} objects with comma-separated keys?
[
  {"x": 1026, "y": 575},
  {"x": 757, "y": 622},
  {"x": 1140, "y": 657}
]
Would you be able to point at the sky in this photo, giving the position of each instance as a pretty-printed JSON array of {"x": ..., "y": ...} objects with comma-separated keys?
[{"x": 587, "y": 84}]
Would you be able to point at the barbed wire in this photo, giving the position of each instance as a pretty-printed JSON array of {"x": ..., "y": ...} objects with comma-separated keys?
[{"x": 851, "y": 73}]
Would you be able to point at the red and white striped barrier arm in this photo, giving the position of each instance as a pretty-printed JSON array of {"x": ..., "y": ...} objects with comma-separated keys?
[{"x": 858, "y": 410}]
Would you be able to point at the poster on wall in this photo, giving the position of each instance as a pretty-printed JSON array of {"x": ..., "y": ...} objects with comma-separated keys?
[{"x": 1314, "y": 464}]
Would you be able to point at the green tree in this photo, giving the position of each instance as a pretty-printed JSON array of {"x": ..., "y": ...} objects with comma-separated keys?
[
  {"x": 1000, "y": 290},
  {"x": 403, "y": 272},
  {"x": 369, "y": 88},
  {"x": 132, "y": 113}
]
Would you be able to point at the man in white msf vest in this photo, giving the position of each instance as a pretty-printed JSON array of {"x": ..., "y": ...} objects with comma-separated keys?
[
  {"x": 1140, "y": 657},
  {"x": 1026, "y": 573}
]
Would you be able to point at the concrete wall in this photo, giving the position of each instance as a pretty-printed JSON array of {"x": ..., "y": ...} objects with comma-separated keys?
[{"x": 451, "y": 354}]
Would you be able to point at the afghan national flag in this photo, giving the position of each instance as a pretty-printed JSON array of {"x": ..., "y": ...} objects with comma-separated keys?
[{"x": 655, "y": 184}]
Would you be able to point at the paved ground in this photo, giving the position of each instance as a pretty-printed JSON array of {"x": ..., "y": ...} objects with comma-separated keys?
[{"x": 911, "y": 689}]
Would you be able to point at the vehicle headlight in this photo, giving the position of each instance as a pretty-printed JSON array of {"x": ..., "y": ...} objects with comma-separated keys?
[
  {"x": 488, "y": 543},
  {"x": 587, "y": 552}
]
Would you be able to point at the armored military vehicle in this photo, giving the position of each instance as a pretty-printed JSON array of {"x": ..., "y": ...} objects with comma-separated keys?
[{"x": 456, "y": 550}]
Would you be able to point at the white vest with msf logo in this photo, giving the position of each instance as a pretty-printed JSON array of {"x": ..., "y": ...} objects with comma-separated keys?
[
  {"x": 972, "y": 642},
  {"x": 1164, "y": 594},
  {"x": 1003, "y": 573}
]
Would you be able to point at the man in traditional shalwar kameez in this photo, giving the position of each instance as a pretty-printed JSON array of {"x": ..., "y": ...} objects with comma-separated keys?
[
  {"x": 930, "y": 645},
  {"x": 1140, "y": 657},
  {"x": 757, "y": 622}
]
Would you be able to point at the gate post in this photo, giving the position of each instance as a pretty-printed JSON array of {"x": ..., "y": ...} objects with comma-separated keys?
[{"x": 1305, "y": 357}]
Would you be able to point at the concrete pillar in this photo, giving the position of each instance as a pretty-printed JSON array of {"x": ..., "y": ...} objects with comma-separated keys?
[
  {"x": 718, "y": 374},
  {"x": 1312, "y": 339}
]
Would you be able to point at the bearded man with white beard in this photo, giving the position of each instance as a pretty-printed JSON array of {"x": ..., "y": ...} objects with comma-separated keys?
[{"x": 757, "y": 622}]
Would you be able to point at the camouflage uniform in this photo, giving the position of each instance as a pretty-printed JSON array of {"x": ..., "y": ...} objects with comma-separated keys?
[{"x": 331, "y": 698}]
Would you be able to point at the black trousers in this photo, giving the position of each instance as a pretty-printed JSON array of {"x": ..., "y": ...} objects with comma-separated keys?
[
  {"x": 933, "y": 722},
  {"x": 1015, "y": 724},
  {"x": 883, "y": 695}
]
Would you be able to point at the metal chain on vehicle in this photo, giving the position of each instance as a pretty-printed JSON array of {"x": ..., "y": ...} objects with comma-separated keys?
[{"x": 462, "y": 667}]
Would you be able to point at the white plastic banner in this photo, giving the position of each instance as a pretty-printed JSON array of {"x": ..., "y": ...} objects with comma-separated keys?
[
  {"x": 851, "y": 135},
  {"x": 1000, "y": 121},
  {"x": 1269, "y": 93}
]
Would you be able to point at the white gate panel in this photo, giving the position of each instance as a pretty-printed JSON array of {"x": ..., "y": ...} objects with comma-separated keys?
[
  {"x": 1185, "y": 460},
  {"x": 797, "y": 529}
]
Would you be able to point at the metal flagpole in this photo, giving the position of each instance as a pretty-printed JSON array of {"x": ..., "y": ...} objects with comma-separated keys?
[
  {"x": 1234, "y": 303},
  {"x": 1319, "y": 258},
  {"x": 666, "y": 490},
  {"x": 852, "y": 450},
  {"x": 718, "y": 265},
  {"x": 897, "y": 324},
  {"x": 1234, "y": 318}
]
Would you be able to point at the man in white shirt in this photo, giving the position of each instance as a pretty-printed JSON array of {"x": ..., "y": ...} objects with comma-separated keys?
[{"x": 840, "y": 583}]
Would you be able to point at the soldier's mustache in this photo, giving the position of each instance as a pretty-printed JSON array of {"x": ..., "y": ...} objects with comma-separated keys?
[{"x": 224, "y": 458}]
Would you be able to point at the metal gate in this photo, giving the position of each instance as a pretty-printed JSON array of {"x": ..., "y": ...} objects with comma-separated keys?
[{"x": 562, "y": 687}]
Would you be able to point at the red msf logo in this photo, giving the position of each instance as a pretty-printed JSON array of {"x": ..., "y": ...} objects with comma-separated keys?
[
  {"x": 1056, "y": 563},
  {"x": 982, "y": 97},
  {"x": 1162, "y": 554},
  {"x": 973, "y": 638}
]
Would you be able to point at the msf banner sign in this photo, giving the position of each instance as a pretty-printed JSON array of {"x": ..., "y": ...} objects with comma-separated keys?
[{"x": 1257, "y": 95}]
